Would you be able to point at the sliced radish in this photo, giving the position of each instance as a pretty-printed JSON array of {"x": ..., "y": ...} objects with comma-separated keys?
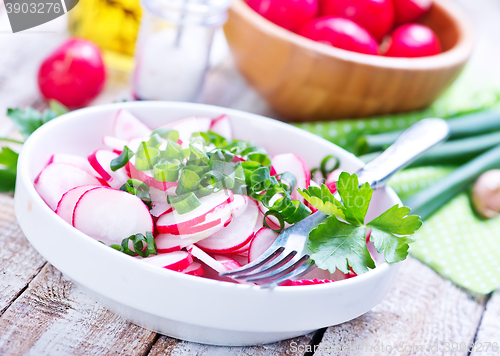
[
  {"x": 176, "y": 223},
  {"x": 126, "y": 126},
  {"x": 100, "y": 160},
  {"x": 333, "y": 176},
  {"x": 304, "y": 282},
  {"x": 263, "y": 239},
  {"x": 188, "y": 126},
  {"x": 57, "y": 178},
  {"x": 75, "y": 160},
  {"x": 207, "y": 259},
  {"x": 195, "y": 269},
  {"x": 147, "y": 177},
  {"x": 67, "y": 204},
  {"x": 114, "y": 143},
  {"x": 221, "y": 125},
  {"x": 242, "y": 259},
  {"x": 169, "y": 243},
  {"x": 236, "y": 235},
  {"x": 317, "y": 273},
  {"x": 175, "y": 261},
  {"x": 290, "y": 162},
  {"x": 111, "y": 215},
  {"x": 227, "y": 262}
]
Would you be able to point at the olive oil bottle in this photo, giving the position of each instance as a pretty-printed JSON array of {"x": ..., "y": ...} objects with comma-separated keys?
[{"x": 110, "y": 24}]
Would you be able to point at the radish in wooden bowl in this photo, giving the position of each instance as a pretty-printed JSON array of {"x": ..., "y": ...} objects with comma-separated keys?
[{"x": 183, "y": 305}]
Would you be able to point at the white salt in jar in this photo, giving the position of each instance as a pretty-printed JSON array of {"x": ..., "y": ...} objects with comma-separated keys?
[{"x": 173, "y": 47}]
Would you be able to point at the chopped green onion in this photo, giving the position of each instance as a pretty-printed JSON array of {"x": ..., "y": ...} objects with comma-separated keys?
[
  {"x": 325, "y": 169},
  {"x": 185, "y": 203},
  {"x": 139, "y": 242},
  {"x": 172, "y": 151},
  {"x": 290, "y": 179},
  {"x": 197, "y": 148},
  {"x": 150, "y": 240},
  {"x": 184, "y": 154},
  {"x": 278, "y": 216},
  {"x": 122, "y": 159},
  {"x": 167, "y": 171},
  {"x": 155, "y": 141},
  {"x": 188, "y": 181},
  {"x": 139, "y": 189},
  {"x": 146, "y": 158},
  {"x": 166, "y": 133}
]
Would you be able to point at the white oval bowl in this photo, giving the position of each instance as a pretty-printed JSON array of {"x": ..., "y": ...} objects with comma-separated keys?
[{"x": 182, "y": 306}]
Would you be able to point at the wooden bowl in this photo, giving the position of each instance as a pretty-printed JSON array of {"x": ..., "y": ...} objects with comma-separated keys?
[{"x": 307, "y": 81}]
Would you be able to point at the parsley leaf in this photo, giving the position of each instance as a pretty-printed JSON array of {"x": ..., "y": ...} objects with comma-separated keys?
[
  {"x": 336, "y": 244},
  {"x": 340, "y": 241},
  {"x": 354, "y": 198},
  {"x": 389, "y": 230},
  {"x": 8, "y": 159},
  {"x": 323, "y": 200},
  {"x": 29, "y": 119}
]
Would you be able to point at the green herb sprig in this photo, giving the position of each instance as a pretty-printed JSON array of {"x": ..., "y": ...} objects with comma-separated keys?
[
  {"x": 340, "y": 241},
  {"x": 26, "y": 121}
]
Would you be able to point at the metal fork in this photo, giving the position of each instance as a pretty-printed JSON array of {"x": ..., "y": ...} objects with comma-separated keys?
[{"x": 288, "y": 256}]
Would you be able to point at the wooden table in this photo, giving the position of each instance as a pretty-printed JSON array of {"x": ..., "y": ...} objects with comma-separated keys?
[{"x": 42, "y": 313}]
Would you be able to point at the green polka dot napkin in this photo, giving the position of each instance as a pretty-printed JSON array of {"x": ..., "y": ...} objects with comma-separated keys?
[{"x": 453, "y": 241}]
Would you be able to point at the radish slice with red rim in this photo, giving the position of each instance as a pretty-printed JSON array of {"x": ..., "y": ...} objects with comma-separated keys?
[
  {"x": 114, "y": 143},
  {"x": 148, "y": 178},
  {"x": 221, "y": 125},
  {"x": 187, "y": 223},
  {"x": 170, "y": 243},
  {"x": 188, "y": 126},
  {"x": 195, "y": 269},
  {"x": 75, "y": 160},
  {"x": 100, "y": 160},
  {"x": 263, "y": 239},
  {"x": 290, "y": 162},
  {"x": 57, "y": 178},
  {"x": 207, "y": 259},
  {"x": 110, "y": 215},
  {"x": 67, "y": 204},
  {"x": 175, "y": 261},
  {"x": 236, "y": 235},
  {"x": 228, "y": 262},
  {"x": 126, "y": 126}
]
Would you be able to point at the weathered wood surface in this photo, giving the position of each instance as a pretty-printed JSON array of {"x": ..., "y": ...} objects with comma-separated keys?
[
  {"x": 42, "y": 313},
  {"x": 422, "y": 315},
  {"x": 487, "y": 342},
  {"x": 166, "y": 346}
]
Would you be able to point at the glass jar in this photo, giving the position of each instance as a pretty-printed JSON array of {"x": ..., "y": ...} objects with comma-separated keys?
[{"x": 173, "y": 47}]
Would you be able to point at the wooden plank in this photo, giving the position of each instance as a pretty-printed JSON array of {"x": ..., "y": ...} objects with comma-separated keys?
[
  {"x": 487, "y": 341},
  {"x": 422, "y": 315},
  {"x": 19, "y": 261},
  {"x": 166, "y": 346},
  {"x": 53, "y": 316}
]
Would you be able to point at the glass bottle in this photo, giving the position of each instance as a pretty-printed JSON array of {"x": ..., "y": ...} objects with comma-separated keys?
[
  {"x": 112, "y": 25},
  {"x": 173, "y": 47}
]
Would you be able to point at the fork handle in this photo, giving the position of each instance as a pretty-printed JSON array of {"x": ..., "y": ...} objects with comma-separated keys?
[{"x": 412, "y": 143}]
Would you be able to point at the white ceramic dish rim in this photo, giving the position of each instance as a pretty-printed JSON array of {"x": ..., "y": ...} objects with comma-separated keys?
[{"x": 297, "y": 291}]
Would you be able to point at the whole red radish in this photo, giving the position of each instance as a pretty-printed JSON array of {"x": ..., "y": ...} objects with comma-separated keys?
[
  {"x": 289, "y": 14},
  {"x": 73, "y": 74},
  {"x": 413, "y": 40},
  {"x": 376, "y": 16},
  {"x": 341, "y": 33},
  {"x": 406, "y": 11}
]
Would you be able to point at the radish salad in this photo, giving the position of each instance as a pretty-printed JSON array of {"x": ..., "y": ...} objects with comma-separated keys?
[{"x": 189, "y": 198}]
